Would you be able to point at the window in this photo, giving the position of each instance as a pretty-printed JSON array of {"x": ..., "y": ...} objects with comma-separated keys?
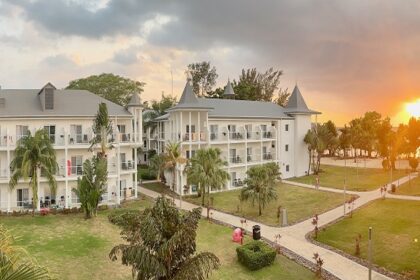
[
  {"x": 249, "y": 154},
  {"x": 22, "y": 197},
  {"x": 192, "y": 128},
  {"x": 76, "y": 134},
  {"x": 233, "y": 178},
  {"x": 74, "y": 198},
  {"x": 21, "y": 131},
  {"x": 248, "y": 128},
  {"x": 187, "y": 154},
  {"x": 50, "y": 129},
  {"x": 286, "y": 148},
  {"x": 124, "y": 165},
  {"x": 287, "y": 168},
  {"x": 76, "y": 165},
  {"x": 214, "y": 131},
  {"x": 145, "y": 157},
  {"x": 286, "y": 127},
  {"x": 121, "y": 128}
]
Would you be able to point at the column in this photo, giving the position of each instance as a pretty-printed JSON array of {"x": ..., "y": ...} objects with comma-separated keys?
[
  {"x": 8, "y": 170},
  {"x": 135, "y": 174},
  {"x": 118, "y": 188},
  {"x": 67, "y": 197}
]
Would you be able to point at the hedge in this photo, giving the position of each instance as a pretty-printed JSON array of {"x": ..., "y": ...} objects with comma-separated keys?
[{"x": 256, "y": 255}]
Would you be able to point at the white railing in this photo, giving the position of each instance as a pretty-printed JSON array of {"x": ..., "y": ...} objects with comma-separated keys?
[
  {"x": 78, "y": 139},
  {"x": 128, "y": 165}
]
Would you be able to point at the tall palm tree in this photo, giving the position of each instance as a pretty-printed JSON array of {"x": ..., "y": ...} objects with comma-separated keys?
[
  {"x": 34, "y": 157},
  {"x": 102, "y": 131},
  {"x": 15, "y": 262},
  {"x": 162, "y": 244},
  {"x": 261, "y": 183},
  {"x": 206, "y": 170},
  {"x": 157, "y": 164},
  {"x": 173, "y": 157},
  {"x": 91, "y": 186}
]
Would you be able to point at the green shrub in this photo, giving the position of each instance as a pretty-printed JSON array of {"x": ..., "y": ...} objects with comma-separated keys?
[
  {"x": 148, "y": 176},
  {"x": 256, "y": 255},
  {"x": 414, "y": 163}
]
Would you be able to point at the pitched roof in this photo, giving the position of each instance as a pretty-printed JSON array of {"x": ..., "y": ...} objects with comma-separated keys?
[
  {"x": 188, "y": 100},
  {"x": 297, "y": 104},
  {"x": 22, "y": 103},
  {"x": 135, "y": 100},
  {"x": 229, "y": 92}
]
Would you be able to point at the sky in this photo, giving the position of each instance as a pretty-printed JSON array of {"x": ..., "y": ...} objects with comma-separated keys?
[{"x": 347, "y": 57}]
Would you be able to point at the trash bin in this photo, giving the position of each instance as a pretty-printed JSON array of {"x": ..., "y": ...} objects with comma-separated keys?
[{"x": 256, "y": 232}]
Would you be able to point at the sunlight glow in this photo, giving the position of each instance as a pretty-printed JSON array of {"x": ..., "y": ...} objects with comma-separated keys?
[{"x": 413, "y": 108}]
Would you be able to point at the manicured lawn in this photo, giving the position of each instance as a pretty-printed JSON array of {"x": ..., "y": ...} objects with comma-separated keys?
[
  {"x": 301, "y": 203},
  {"x": 410, "y": 188},
  {"x": 358, "y": 179},
  {"x": 217, "y": 239},
  {"x": 160, "y": 188},
  {"x": 396, "y": 225},
  {"x": 73, "y": 248}
]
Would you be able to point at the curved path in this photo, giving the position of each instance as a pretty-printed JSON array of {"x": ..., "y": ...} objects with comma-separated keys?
[{"x": 293, "y": 237}]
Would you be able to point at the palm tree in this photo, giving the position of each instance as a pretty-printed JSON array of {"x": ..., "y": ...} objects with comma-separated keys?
[
  {"x": 311, "y": 143},
  {"x": 15, "y": 262},
  {"x": 261, "y": 183},
  {"x": 34, "y": 157},
  {"x": 157, "y": 164},
  {"x": 173, "y": 157},
  {"x": 162, "y": 244},
  {"x": 92, "y": 185},
  {"x": 102, "y": 130},
  {"x": 206, "y": 170}
]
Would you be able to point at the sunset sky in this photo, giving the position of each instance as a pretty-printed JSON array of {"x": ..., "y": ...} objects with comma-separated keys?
[{"x": 347, "y": 57}]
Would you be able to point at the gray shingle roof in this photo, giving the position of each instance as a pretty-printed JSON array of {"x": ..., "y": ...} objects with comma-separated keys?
[
  {"x": 188, "y": 100},
  {"x": 135, "y": 100},
  {"x": 297, "y": 104},
  {"x": 74, "y": 103},
  {"x": 229, "y": 92}
]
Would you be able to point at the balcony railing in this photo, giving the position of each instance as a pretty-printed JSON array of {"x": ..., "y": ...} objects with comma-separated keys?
[
  {"x": 78, "y": 139},
  {"x": 268, "y": 134},
  {"x": 195, "y": 136},
  {"x": 267, "y": 156},
  {"x": 236, "y": 136},
  {"x": 238, "y": 182},
  {"x": 236, "y": 160},
  {"x": 128, "y": 165}
]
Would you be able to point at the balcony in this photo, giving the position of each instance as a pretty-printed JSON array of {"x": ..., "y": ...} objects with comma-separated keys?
[
  {"x": 267, "y": 156},
  {"x": 195, "y": 137},
  {"x": 236, "y": 160},
  {"x": 253, "y": 158},
  {"x": 238, "y": 182},
  {"x": 236, "y": 136},
  {"x": 79, "y": 139},
  {"x": 127, "y": 165},
  {"x": 268, "y": 134}
]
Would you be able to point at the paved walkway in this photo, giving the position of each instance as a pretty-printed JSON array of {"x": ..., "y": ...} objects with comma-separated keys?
[{"x": 293, "y": 237}]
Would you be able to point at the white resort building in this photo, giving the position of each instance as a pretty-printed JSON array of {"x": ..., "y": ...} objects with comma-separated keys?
[
  {"x": 68, "y": 116},
  {"x": 247, "y": 132}
]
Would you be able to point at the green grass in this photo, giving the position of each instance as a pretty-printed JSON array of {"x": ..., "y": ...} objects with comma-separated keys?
[
  {"x": 410, "y": 188},
  {"x": 301, "y": 203},
  {"x": 358, "y": 179},
  {"x": 396, "y": 225},
  {"x": 218, "y": 239},
  {"x": 160, "y": 188},
  {"x": 74, "y": 248}
]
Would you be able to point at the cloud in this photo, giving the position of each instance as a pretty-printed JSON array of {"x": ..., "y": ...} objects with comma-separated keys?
[{"x": 126, "y": 56}]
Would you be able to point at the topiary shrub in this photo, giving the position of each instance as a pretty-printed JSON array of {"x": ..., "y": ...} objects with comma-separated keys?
[
  {"x": 256, "y": 255},
  {"x": 385, "y": 164}
]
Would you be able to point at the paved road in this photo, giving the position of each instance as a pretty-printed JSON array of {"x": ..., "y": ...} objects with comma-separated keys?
[{"x": 293, "y": 237}]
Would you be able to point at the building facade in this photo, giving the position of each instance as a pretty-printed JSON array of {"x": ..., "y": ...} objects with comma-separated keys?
[
  {"x": 67, "y": 116},
  {"x": 247, "y": 132}
]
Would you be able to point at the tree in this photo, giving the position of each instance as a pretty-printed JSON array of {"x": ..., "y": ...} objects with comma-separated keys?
[
  {"x": 253, "y": 85},
  {"x": 261, "y": 182},
  {"x": 157, "y": 164},
  {"x": 282, "y": 97},
  {"x": 370, "y": 124},
  {"x": 413, "y": 135},
  {"x": 318, "y": 139},
  {"x": 333, "y": 142},
  {"x": 205, "y": 170},
  {"x": 102, "y": 131},
  {"x": 173, "y": 157},
  {"x": 157, "y": 109},
  {"x": 203, "y": 77},
  {"x": 385, "y": 136},
  {"x": 34, "y": 157},
  {"x": 112, "y": 87},
  {"x": 344, "y": 140},
  {"x": 16, "y": 263},
  {"x": 91, "y": 186},
  {"x": 162, "y": 244}
]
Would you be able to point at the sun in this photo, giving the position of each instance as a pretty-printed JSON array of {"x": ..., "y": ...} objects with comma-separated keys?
[{"x": 413, "y": 108}]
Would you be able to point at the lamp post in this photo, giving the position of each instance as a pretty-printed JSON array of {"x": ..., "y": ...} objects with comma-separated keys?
[{"x": 370, "y": 253}]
